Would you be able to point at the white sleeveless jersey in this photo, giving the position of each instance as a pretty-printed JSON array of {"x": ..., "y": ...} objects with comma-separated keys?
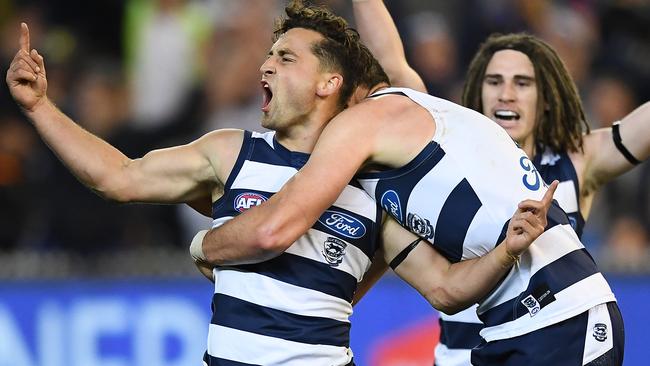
[
  {"x": 459, "y": 333},
  {"x": 460, "y": 192},
  {"x": 293, "y": 309}
]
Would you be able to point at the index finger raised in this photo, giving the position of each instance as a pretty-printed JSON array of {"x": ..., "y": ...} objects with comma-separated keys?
[
  {"x": 548, "y": 196},
  {"x": 24, "y": 37}
]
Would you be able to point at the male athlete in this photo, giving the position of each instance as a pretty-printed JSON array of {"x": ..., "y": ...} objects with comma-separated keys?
[
  {"x": 520, "y": 83},
  {"x": 450, "y": 175},
  {"x": 292, "y": 309}
]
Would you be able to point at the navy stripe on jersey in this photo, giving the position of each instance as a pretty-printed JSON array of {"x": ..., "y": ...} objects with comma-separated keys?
[
  {"x": 292, "y": 158},
  {"x": 456, "y": 215},
  {"x": 244, "y": 152},
  {"x": 460, "y": 335},
  {"x": 215, "y": 361},
  {"x": 562, "y": 169},
  {"x": 409, "y": 175},
  {"x": 275, "y": 323},
  {"x": 555, "y": 277},
  {"x": 306, "y": 273}
]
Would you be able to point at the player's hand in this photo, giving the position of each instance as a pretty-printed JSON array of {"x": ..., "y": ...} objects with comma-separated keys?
[
  {"x": 26, "y": 75},
  {"x": 528, "y": 222}
]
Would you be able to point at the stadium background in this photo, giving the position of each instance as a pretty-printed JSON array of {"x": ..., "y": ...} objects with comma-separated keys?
[{"x": 84, "y": 282}]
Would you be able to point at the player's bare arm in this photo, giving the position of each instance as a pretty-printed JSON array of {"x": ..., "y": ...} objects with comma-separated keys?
[
  {"x": 604, "y": 161},
  {"x": 454, "y": 287},
  {"x": 379, "y": 33},
  {"x": 180, "y": 174},
  {"x": 361, "y": 134}
]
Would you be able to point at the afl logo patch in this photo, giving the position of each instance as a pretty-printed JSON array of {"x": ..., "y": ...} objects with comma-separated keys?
[
  {"x": 343, "y": 224},
  {"x": 334, "y": 250},
  {"x": 390, "y": 203},
  {"x": 246, "y": 200}
]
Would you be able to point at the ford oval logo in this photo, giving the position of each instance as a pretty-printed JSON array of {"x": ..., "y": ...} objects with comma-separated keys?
[
  {"x": 343, "y": 224},
  {"x": 390, "y": 203},
  {"x": 244, "y": 201}
]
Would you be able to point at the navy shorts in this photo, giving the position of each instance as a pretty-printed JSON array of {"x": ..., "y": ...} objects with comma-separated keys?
[{"x": 594, "y": 338}]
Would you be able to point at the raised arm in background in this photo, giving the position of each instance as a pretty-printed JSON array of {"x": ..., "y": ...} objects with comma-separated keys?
[
  {"x": 379, "y": 33},
  {"x": 603, "y": 161}
]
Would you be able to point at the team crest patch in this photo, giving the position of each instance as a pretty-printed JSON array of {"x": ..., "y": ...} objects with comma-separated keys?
[
  {"x": 420, "y": 226},
  {"x": 390, "y": 203},
  {"x": 531, "y": 304},
  {"x": 343, "y": 224},
  {"x": 334, "y": 250},
  {"x": 246, "y": 200},
  {"x": 600, "y": 332}
]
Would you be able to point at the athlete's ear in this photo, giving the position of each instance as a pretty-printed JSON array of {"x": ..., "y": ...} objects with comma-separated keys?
[{"x": 330, "y": 85}]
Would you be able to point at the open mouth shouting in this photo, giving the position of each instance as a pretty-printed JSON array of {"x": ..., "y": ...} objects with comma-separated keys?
[{"x": 267, "y": 95}]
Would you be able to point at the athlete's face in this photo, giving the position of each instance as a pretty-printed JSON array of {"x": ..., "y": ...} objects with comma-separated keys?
[
  {"x": 290, "y": 76},
  {"x": 509, "y": 94}
]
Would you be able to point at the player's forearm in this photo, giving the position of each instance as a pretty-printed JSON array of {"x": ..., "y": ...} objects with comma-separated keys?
[
  {"x": 259, "y": 234},
  {"x": 93, "y": 161},
  {"x": 467, "y": 282}
]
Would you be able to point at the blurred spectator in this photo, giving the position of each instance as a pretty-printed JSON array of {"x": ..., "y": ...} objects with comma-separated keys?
[
  {"x": 233, "y": 91},
  {"x": 433, "y": 51},
  {"x": 163, "y": 42}
]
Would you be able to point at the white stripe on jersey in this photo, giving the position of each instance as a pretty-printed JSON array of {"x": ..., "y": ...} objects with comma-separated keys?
[
  {"x": 227, "y": 343},
  {"x": 482, "y": 226},
  {"x": 549, "y": 247},
  {"x": 275, "y": 176},
  {"x": 355, "y": 262},
  {"x": 568, "y": 303},
  {"x": 466, "y": 316},
  {"x": 565, "y": 195},
  {"x": 452, "y": 357},
  {"x": 220, "y": 221},
  {"x": 446, "y": 168},
  {"x": 266, "y": 136},
  {"x": 254, "y": 288}
]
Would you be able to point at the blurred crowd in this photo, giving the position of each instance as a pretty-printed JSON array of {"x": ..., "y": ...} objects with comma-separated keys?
[{"x": 146, "y": 74}]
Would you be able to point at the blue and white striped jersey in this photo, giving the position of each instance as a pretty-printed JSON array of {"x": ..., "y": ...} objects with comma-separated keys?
[
  {"x": 459, "y": 333},
  {"x": 293, "y": 309},
  {"x": 459, "y": 194}
]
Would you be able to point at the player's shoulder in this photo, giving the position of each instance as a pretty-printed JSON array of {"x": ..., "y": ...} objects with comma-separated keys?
[{"x": 220, "y": 142}]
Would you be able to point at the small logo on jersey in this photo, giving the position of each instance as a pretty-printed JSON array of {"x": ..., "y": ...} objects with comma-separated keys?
[
  {"x": 390, "y": 203},
  {"x": 246, "y": 200},
  {"x": 531, "y": 178},
  {"x": 343, "y": 224},
  {"x": 600, "y": 332},
  {"x": 531, "y": 305},
  {"x": 334, "y": 250},
  {"x": 420, "y": 226}
]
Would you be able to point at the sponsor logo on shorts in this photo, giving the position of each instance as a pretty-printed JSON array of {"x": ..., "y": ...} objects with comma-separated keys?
[
  {"x": 246, "y": 200},
  {"x": 600, "y": 332},
  {"x": 334, "y": 250},
  {"x": 343, "y": 224},
  {"x": 531, "y": 305}
]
